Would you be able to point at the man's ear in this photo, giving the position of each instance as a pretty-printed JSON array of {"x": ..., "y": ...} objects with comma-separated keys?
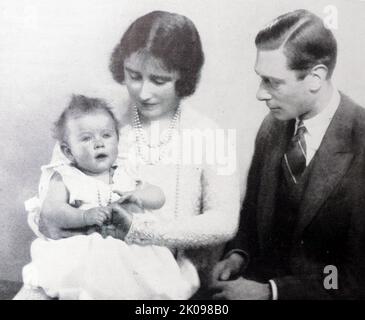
[
  {"x": 317, "y": 76},
  {"x": 67, "y": 151}
]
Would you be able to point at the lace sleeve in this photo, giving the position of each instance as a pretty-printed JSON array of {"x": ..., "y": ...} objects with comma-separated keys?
[{"x": 216, "y": 224}]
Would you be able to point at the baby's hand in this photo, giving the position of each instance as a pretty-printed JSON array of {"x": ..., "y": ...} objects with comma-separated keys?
[{"x": 97, "y": 216}]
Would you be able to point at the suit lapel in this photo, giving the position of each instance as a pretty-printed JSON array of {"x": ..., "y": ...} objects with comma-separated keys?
[
  {"x": 270, "y": 179},
  {"x": 330, "y": 164}
]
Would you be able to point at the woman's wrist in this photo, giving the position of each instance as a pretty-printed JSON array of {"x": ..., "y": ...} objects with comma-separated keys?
[
  {"x": 118, "y": 230},
  {"x": 123, "y": 229}
]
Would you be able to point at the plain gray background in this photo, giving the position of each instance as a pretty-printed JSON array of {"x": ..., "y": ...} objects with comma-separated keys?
[{"x": 50, "y": 49}]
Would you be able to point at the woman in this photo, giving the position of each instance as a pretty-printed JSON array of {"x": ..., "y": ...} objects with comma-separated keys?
[{"x": 159, "y": 59}]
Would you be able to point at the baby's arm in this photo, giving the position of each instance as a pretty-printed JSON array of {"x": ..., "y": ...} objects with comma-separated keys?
[
  {"x": 57, "y": 212},
  {"x": 146, "y": 196}
]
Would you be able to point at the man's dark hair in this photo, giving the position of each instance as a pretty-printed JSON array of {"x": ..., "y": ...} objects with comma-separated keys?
[
  {"x": 170, "y": 37},
  {"x": 305, "y": 40}
]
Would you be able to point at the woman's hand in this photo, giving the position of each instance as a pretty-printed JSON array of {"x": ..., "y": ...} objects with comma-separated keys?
[{"x": 121, "y": 222}]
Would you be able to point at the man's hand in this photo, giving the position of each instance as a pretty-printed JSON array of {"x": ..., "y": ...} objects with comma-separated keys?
[
  {"x": 97, "y": 216},
  {"x": 228, "y": 268},
  {"x": 241, "y": 289}
]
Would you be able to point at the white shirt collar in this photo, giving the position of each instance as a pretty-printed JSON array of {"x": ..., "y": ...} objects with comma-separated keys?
[{"x": 318, "y": 125}]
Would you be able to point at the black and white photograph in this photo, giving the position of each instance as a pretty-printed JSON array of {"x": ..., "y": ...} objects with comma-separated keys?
[{"x": 182, "y": 150}]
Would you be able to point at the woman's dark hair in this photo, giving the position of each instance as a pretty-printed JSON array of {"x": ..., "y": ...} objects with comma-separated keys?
[
  {"x": 170, "y": 37},
  {"x": 305, "y": 40},
  {"x": 80, "y": 105}
]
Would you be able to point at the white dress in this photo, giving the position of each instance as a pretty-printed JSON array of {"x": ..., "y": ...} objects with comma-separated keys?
[
  {"x": 91, "y": 267},
  {"x": 208, "y": 201}
]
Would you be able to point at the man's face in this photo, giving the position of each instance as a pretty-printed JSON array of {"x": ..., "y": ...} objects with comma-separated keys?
[{"x": 285, "y": 95}]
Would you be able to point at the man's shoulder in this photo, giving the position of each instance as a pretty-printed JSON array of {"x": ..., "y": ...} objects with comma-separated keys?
[
  {"x": 354, "y": 116},
  {"x": 351, "y": 106},
  {"x": 353, "y": 109}
]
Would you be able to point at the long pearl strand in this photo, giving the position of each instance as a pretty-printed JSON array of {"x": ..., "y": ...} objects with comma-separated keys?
[
  {"x": 140, "y": 138},
  {"x": 109, "y": 201},
  {"x": 165, "y": 140}
]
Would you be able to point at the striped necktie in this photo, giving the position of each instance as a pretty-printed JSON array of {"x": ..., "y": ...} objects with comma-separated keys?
[{"x": 295, "y": 157}]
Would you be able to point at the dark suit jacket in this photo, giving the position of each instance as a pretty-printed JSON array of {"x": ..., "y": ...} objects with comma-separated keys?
[{"x": 331, "y": 226}]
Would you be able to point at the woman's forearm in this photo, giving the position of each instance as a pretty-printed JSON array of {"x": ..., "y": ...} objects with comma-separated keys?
[{"x": 216, "y": 224}]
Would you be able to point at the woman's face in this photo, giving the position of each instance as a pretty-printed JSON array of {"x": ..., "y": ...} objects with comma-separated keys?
[{"x": 151, "y": 86}]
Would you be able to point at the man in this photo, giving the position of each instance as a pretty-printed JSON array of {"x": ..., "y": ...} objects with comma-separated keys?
[{"x": 305, "y": 203}]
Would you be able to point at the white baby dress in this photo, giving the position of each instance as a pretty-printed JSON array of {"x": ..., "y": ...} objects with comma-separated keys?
[{"x": 93, "y": 267}]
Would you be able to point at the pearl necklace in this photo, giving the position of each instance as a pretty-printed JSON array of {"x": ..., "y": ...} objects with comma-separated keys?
[
  {"x": 104, "y": 229},
  {"x": 140, "y": 138},
  {"x": 100, "y": 203},
  {"x": 177, "y": 189},
  {"x": 109, "y": 201},
  {"x": 165, "y": 139},
  {"x": 160, "y": 147}
]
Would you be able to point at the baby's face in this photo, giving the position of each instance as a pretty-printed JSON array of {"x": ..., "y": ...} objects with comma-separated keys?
[{"x": 93, "y": 142}]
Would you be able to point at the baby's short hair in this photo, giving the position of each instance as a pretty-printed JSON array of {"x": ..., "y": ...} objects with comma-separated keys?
[{"x": 81, "y": 105}]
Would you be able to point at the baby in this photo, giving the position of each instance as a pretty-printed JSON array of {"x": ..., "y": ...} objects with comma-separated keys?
[
  {"x": 88, "y": 135},
  {"x": 82, "y": 193}
]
